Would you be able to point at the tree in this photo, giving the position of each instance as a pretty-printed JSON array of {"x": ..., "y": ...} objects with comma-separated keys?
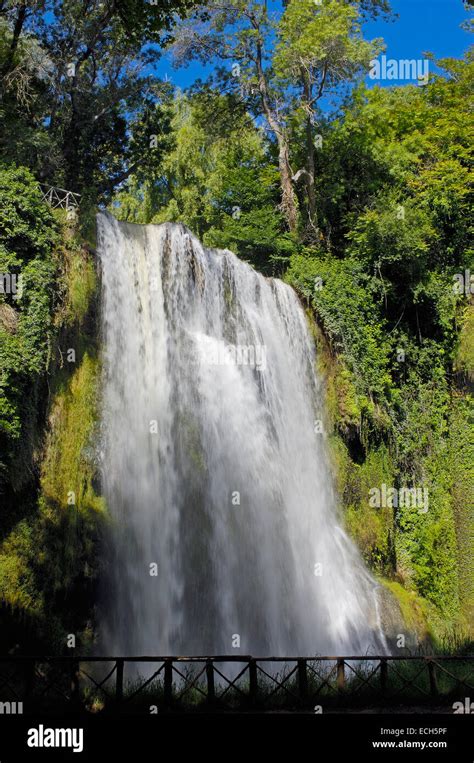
[
  {"x": 217, "y": 175},
  {"x": 238, "y": 32},
  {"x": 320, "y": 46},
  {"x": 88, "y": 81}
]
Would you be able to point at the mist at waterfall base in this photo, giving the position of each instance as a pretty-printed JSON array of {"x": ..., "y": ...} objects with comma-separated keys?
[{"x": 214, "y": 475}]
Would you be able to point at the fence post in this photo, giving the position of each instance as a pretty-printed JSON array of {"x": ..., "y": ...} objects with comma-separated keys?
[
  {"x": 211, "y": 693},
  {"x": 253, "y": 687},
  {"x": 383, "y": 676},
  {"x": 432, "y": 675},
  {"x": 119, "y": 682},
  {"x": 340, "y": 675},
  {"x": 302, "y": 680},
  {"x": 168, "y": 697}
]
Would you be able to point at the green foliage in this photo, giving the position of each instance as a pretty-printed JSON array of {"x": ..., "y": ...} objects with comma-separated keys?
[
  {"x": 218, "y": 182},
  {"x": 47, "y": 547},
  {"x": 26, "y": 223},
  {"x": 397, "y": 194},
  {"x": 311, "y": 46},
  {"x": 28, "y": 232},
  {"x": 51, "y": 555},
  {"x": 79, "y": 287},
  {"x": 460, "y": 456},
  {"x": 420, "y": 616},
  {"x": 324, "y": 40},
  {"x": 371, "y": 527},
  {"x": 18, "y": 587},
  {"x": 341, "y": 293},
  {"x": 72, "y": 89}
]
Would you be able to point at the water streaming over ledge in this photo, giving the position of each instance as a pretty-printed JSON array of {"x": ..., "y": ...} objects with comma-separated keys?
[{"x": 212, "y": 468}]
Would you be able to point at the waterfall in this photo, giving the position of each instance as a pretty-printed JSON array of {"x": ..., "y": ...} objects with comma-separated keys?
[{"x": 224, "y": 531}]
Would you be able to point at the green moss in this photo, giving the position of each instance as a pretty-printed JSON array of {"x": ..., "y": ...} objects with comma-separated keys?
[
  {"x": 348, "y": 403},
  {"x": 418, "y": 614},
  {"x": 67, "y": 469},
  {"x": 464, "y": 360},
  {"x": 425, "y": 620},
  {"x": 372, "y": 527},
  {"x": 81, "y": 285},
  {"x": 71, "y": 511},
  {"x": 51, "y": 555},
  {"x": 17, "y": 584}
]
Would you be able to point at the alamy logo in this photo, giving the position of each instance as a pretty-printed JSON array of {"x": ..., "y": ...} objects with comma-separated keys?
[
  {"x": 404, "y": 497},
  {"x": 11, "y": 283},
  {"x": 219, "y": 354},
  {"x": 466, "y": 707},
  {"x": 415, "y": 70},
  {"x": 11, "y": 708},
  {"x": 463, "y": 283},
  {"x": 42, "y": 737}
]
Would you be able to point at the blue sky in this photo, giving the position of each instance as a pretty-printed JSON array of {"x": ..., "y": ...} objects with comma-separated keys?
[{"x": 423, "y": 25}]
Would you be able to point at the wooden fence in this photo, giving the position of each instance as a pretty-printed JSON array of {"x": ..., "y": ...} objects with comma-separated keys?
[
  {"x": 232, "y": 682},
  {"x": 59, "y": 198}
]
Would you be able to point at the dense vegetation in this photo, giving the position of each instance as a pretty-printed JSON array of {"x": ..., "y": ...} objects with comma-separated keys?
[
  {"x": 388, "y": 304},
  {"x": 72, "y": 75},
  {"x": 364, "y": 209},
  {"x": 48, "y": 370}
]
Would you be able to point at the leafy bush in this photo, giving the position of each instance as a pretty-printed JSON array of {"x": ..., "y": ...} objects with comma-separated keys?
[{"x": 28, "y": 233}]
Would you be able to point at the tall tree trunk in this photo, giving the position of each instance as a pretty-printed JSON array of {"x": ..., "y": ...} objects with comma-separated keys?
[
  {"x": 288, "y": 202},
  {"x": 311, "y": 156},
  {"x": 17, "y": 30}
]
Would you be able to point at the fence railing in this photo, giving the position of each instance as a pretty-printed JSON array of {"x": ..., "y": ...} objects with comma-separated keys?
[
  {"x": 230, "y": 682},
  {"x": 60, "y": 198}
]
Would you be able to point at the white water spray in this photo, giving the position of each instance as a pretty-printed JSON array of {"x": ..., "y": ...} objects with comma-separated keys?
[{"x": 214, "y": 475}]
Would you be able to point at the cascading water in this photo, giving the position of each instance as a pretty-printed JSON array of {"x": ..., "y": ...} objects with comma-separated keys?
[{"x": 224, "y": 519}]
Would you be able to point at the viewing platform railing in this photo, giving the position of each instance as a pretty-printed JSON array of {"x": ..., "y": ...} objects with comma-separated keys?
[
  {"x": 60, "y": 198},
  {"x": 232, "y": 682}
]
